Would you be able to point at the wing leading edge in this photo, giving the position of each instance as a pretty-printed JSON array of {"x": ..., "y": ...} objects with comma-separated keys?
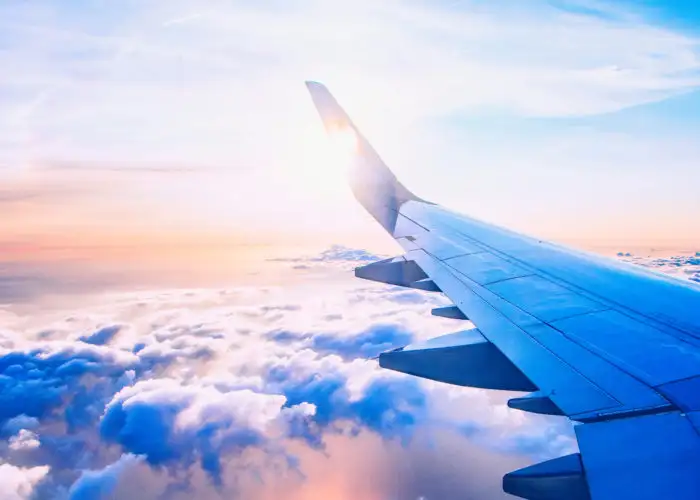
[{"x": 608, "y": 345}]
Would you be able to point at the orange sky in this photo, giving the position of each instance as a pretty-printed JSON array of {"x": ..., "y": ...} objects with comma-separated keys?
[{"x": 199, "y": 226}]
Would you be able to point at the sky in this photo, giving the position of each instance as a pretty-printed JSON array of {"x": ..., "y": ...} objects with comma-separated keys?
[
  {"x": 138, "y": 127},
  {"x": 178, "y": 314}
]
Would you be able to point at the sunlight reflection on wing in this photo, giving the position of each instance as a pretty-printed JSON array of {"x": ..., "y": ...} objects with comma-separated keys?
[{"x": 343, "y": 144}]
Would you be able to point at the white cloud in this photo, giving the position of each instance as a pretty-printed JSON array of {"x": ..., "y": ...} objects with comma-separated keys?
[
  {"x": 219, "y": 386},
  {"x": 24, "y": 440},
  {"x": 95, "y": 485},
  {"x": 18, "y": 482},
  {"x": 236, "y": 69},
  {"x": 680, "y": 266},
  {"x": 337, "y": 256}
]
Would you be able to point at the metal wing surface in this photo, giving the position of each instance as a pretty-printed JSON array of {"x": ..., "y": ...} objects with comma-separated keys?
[{"x": 613, "y": 347}]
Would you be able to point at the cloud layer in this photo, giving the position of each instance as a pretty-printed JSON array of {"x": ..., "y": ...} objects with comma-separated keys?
[
  {"x": 247, "y": 392},
  {"x": 254, "y": 392},
  {"x": 680, "y": 266}
]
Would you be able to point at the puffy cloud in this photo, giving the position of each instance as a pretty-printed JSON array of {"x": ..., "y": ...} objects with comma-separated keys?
[
  {"x": 36, "y": 381},
  {"x": 18, "y": 482},
  {"x": 337, "y": 256},
  {"x": 102, "y": 336},
  {"x": 681, "y": 266},
  {"x": 172, "y": 423},
  {"x": 340, "y": 253},
  {"x": 231, "y": 391},
  {"x": 95, "y": 485},
  {"x": 390, "y": 406},
  {"x": 369, "y": 343},
  {"x": 24, "y": 440},
  {"x": 16, "y": 424}
]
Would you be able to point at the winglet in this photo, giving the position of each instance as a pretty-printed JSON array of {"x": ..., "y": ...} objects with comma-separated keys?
[
  {"x": 373, "y": 183},
  {"x": 328, "y": 108}
]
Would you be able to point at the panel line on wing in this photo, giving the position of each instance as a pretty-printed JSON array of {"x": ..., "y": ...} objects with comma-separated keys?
[
  {"x": 681, "y": 335},
  {"x": 593, "y": 390},
  {"x": 508, "y": 279},
  {"x": 398, "y": 212},
  {"x": 683, "y": 332},
  {"x": 479, "y": 290},
  {"x": 642, "y": 390},
  {"x": 605, "y": 335},
  {"x": 460, "y": 255},
  {"x": 617, "y": 415},
  {"x": 577, "y": 315}
]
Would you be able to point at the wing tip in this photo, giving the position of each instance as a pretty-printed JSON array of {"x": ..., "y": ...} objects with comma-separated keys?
[
  {"x": 373, "y": 183},
  {"x": 314, "y": 85}
]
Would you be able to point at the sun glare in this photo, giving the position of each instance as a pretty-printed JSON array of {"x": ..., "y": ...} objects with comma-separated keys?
[
  {"x": 342, "y": 143},
  {"x": 322, "y": 160}
]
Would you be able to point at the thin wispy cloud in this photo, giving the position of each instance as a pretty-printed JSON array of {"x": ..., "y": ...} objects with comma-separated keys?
[
  {"x": 492, "y": 96},
  {"x": 186, "y": 18},
  {"x": 535, "y": 61}
]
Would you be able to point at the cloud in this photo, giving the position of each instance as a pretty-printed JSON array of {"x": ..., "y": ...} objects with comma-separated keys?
[
  {"x": 369, "y": 343},
  {"x": 153, "y": 95},
  {"x": 366, "y": 344},
  {"x": 185, "y": 19},
  {"x": 338, "y": 256},
  {"x": 680, "y": 266},
  {"x": 171, "y": 423},
  {"x": 36, "y": 382},
  {"x": 24, "y": 440},
  {"x": 245, "y": 392},
  {"x": 340, "y": 253},
  {"x": 388, "y": 406},
  {"x": 253, "y": 392},
  {"x": 435, "y": 464},
  {"x": 18, "y": 482},
  {"x": 94, "y": 485},
  {"x": 19, "y": 423},
  {"x": 102, "y": 336},
  {"x": 543, "y": 60}
]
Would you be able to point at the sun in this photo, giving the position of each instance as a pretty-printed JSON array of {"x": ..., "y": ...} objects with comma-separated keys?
[
  {"x": 342, "y": 143},
  {"x": 324, "y": 158}
]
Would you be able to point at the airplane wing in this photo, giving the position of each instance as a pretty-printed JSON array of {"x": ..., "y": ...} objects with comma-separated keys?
[{"x": 614, "y": 348}]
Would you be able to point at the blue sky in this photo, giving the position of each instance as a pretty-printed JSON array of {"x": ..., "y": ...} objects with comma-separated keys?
[{"x": 685, "y": 13}]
